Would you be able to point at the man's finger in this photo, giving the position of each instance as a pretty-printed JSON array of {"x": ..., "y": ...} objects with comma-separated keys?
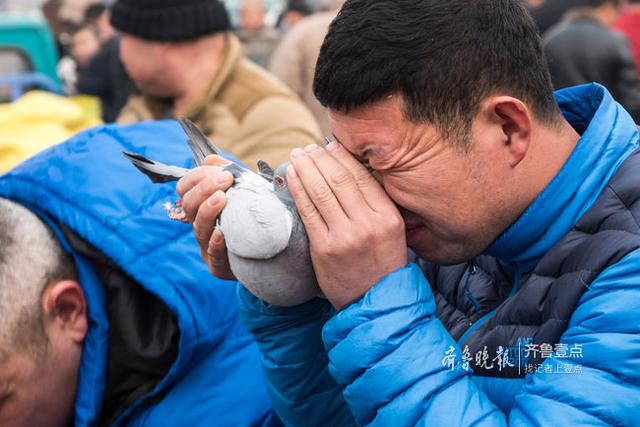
[
  {"x": 205, "y": 220},
  {"x": 371, "y": 190},
  {"x": 217, "y": 257},
  {"x": 341, "y": 181},
  {"x": 316, "y": 190},
  {"x": 213, "y": 181},
  {"x": 193, "y": 178},
  {"x": 313, "y": 221},
  {"x": 190, "y": 180},
  {"x": 215, "y": 160}
]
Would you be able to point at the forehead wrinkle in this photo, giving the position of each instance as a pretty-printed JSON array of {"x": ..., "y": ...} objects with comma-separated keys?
[{"x": 371, "y": 131}]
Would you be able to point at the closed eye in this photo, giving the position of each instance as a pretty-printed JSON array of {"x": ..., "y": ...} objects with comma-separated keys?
[
  {"x": 363, "y": 157},
  {"x": 4, "y": 397}
]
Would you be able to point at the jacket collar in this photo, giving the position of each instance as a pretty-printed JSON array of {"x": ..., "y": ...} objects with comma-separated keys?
[
  {"x": 609, "y": 136},
  {"x": 233, "y": 54}
]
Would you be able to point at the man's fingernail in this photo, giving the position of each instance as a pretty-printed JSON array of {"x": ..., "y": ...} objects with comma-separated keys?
[
  {"x": 297, "y": 153},
  {"x": 223, "y": 178},
  {"x": 291, "y": 172},
  {"x": 311, "y": 147},
  {"x": 333, "y": 146},
  {"x": 217, "y": 236},
  {"x": 214, "y": 200}
]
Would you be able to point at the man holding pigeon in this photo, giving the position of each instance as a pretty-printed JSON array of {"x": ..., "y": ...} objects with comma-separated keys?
[{"x": 518, "y": 303}]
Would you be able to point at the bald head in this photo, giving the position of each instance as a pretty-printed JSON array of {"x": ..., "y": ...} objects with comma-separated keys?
[{"x": 30, "y": 259}]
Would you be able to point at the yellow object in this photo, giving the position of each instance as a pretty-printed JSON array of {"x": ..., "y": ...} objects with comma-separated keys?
[{"x": 39, "y": 120}]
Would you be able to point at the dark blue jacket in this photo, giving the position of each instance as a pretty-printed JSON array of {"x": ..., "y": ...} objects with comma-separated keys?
[
  {"x": 544, "y": 329},
  {"x": 164, "y": 346}
]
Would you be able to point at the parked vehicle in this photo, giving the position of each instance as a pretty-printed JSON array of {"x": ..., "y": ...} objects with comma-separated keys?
[{"x": 28, "y": 55}]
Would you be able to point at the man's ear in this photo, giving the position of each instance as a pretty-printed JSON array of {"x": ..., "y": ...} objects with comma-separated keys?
[
  {"x": 514, "y": 122},
  {"x": 65, "y": 308}
]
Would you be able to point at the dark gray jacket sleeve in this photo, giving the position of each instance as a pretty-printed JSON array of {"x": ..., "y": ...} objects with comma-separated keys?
[{"x": 627, "y": 87}]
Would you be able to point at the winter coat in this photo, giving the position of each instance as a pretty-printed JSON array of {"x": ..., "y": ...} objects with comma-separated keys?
[
  {"x": 542, "y": 329},
  {"x": 581, "y": 50},
  {"x": 164, "y": 346},
  {"x": 294, "y": 61}
]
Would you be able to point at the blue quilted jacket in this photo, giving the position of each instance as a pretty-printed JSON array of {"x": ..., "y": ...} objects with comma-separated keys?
[
  {"x": 165, "y": 346},
  {"x": 543, "y": 329}
]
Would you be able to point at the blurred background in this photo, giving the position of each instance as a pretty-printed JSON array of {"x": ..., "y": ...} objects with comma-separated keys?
[{"x": 50, "y": 89}]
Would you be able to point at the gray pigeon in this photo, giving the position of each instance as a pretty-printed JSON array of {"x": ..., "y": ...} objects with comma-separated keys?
[{"x": 266, "y": 241}]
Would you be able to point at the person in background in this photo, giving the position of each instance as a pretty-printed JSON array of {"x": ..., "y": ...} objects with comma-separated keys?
[
  {"x": 295, "y": 11},
  {"x": 629, "y": 25},
  {"x": 550, "y": 12},
  {"x": 73, "y": 11},
  {"x": 50, "y": 9},
  {"x": 187, "y": 63},
  {"x": 84, "y": 45},
  {"x": 108, "y": 315},
  {"x": 294, "y": 60},
  {"x": 97, "y": 15},
  {"x": 534, "y": 3},
  {"x": 65, "y": 18},
  {"x": 105, "y": 75},
  {"x": 258, "y": 39},
  {"x": 583, "y": 49}
]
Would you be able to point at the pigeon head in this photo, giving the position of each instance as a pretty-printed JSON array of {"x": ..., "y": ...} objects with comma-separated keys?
[{"x": 278, "y": 179}]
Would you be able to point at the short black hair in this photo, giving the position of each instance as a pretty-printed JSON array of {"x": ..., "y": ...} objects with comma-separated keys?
[{"x": 443, "y": 57}]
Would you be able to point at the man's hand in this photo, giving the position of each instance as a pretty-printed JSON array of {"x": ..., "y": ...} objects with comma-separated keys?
[
  {"x": 203, "y": 198},
  {"x": 355, "y": 231}
]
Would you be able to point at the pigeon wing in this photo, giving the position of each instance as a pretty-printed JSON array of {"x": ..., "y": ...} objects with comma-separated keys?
[{"x": 200, "y": 145}]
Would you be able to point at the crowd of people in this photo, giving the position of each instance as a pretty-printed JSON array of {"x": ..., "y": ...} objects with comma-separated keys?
[
  {"x": 289, "y": 44},
  {"x": 593, "y": 41},
  {"x": 92, "y": 64},
  {"x": 470, "y": 217}
]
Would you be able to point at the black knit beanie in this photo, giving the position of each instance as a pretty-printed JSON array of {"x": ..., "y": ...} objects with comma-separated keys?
[{"x": 169, "y": 20}]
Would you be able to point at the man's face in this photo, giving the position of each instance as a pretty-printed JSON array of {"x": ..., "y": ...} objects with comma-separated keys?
[
  {"x": 39, "y": 389},
  {"x": 454, "y": 202},
  {"x": 84, "y": 46},
  {"x": 35, "y": 392},
  {"x": 252, "y": 15},
  {"x": 105, "y": 30},
  {"x": 145, "y": 63}
]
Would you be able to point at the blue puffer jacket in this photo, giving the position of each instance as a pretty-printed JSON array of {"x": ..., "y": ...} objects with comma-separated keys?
[
  {"x": 396, "y": 358},
  {"x": 165, "y": 346}
]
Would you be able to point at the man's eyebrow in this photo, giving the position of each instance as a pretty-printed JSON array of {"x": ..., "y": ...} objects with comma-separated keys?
[{"x": 362, "y": 157}]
